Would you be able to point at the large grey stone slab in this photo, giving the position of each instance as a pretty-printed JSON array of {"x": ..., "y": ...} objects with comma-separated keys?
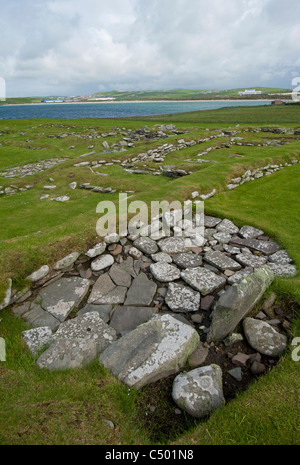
[
  {"x": 37, "y": 339},
  {"x": 88, "y": 326},
  {"x": 141, "y": 292},
  {"x": 182, "y": 299},
  {"x": 264, "y": 338},
  {"x": 187, "y": 260},
  {"x": 119, "y": 275},
  {"x": 164, "y": 272},
  {"x": 221, "y": 261},
  {"x": 154, "y": 350},
  {"x": 203, "y": 280},
  {"x": 106, "y": 292},
  {"x": 199, "y": 392},
  {"x": 237, "y": 301},
  {"x": 146, "y": 245},
  {"x": 126, "y": 318},
  {"x": 174, "y": 245},
  {"x": 266, "y": 247},
  {"x": 37, "y": 317},
  {"x": 68, "y": 353},
  {"x": 60, "y": 297}
]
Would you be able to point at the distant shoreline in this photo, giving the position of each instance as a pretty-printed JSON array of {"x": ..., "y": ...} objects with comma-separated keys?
[{"x": 140, "y": 101}]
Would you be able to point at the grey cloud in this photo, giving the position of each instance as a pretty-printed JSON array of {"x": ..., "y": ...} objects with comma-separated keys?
[{"x": 70, "y": 46}]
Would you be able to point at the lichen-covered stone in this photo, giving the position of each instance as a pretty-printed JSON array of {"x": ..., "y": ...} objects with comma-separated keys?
[
  {"x": 203, "y": 280},
  {"x": 37, "y": 338},
  {"x": 182, "y": 299},
  {"x": 264, "y": 338},
  {"x": 237, "y": 301},
  {"x": 154, "y": 350},
  {"x": 199, "y": 392}
]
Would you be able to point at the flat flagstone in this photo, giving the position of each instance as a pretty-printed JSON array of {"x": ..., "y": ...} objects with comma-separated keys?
[
  {"x": 180, "y": 298},
  {"x": 68, "y": 353},
  {"x": 126, "y": 318},
  {"x": 164, "y": 272},
  {"x": 60, "y": 297},
  {"x": 221, "y": 261},
  {"x": 248, "y": 259},
  {"x": 37, "y": 338},
  {"x": 187, "y": 260},
  {"x": 119, "y": 275},
  {"x": 141, "y": 292},
  {"x": 88, "y": 326},
  {"x": 153, "y": 351},
  {"x": 266, "y": 247},
  {"x": 105, "y": 292},
  {"x": 37, "y": 317},
  {"x": 203, "y": 280},
  {"x": 102, "y": 262}
]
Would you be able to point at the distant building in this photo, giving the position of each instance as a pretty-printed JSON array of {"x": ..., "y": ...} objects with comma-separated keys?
[
  {"x": 250, "y": 92},
  {"x": 277, "y": 102},
  {"x": 102, "y": 99}
]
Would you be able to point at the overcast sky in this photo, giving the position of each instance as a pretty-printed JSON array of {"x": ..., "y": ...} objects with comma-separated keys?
[{"x": 77, "y": 47}]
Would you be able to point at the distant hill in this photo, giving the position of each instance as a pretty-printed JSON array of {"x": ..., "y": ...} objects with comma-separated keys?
[
  {"x": 268, "y": 93},
  {"x": 192, "y": 94}
]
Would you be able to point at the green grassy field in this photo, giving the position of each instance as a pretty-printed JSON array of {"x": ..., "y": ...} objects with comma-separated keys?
[{"x": 38, "y": 407}]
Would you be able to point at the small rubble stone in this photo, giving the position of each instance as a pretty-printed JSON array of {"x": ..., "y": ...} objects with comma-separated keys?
[
  {"x": 39, "y": 274},
  {"x": 98, "y": 249},
  {"x": 103, "y": 262},
  {"x": 66, "y": 261}
]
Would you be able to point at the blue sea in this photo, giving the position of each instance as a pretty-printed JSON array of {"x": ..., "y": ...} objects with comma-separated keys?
[{"x": 113, "y": 109}]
